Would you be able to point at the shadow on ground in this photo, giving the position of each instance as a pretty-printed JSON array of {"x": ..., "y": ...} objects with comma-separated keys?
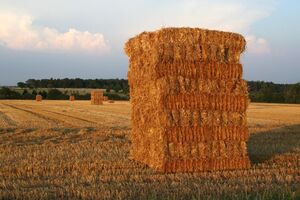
[{"x": 263, "y": 146}]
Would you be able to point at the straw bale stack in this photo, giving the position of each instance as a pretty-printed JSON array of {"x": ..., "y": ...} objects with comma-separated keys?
[
  {"x": 97, "y": 97},
  {"x": 72, "y": 98},
  {"x": 38, "y": 97},
  {"x": 188, "y": 100}
]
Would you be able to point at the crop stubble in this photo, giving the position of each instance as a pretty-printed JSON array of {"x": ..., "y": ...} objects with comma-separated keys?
[{"x": 93, "y": 161}]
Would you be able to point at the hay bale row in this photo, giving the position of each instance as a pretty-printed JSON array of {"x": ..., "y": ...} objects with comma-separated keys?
[
  {"x": 186, "y": 44},
  {"x": 97, "y": 97},
  {"x": 206, "y": 133},
  {"x": 194, "y": 118},
  {"x": 187, "y": 92},
  {"x": 185, "y": 85},
  {"x": 210, "y": 149},
  {"x": 200, "y": 69},
  {"x": 203, "y": 101}
]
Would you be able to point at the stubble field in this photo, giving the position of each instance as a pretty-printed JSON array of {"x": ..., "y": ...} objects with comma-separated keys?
[{"x": 74, "y": 150}]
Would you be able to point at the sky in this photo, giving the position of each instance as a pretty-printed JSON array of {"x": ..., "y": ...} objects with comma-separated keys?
[{"x": 85, "y": 38}]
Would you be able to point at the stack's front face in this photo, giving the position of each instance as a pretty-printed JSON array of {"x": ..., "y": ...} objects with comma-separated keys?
[
  {"x": 188, "y": 100},
  {"x": 97, "y": 97}
]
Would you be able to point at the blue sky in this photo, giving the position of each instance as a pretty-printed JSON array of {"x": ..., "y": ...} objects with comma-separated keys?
[{"x": 85, "y": 38}]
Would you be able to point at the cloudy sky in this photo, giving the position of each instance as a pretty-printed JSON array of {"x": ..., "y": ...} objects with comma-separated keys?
[{"x": 85, "y": 38}]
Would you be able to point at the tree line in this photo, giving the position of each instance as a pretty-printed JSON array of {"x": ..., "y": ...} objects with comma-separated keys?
[
  {"x": 108, "y": 84},
  {"x": 259, "y": 91},
  {"x": 269, "y": 92}
]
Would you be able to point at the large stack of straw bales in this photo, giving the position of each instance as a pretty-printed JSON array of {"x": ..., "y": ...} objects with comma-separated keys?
[
  {"x": 97, "y": 97},
  {"x": 38, "y": 97},
  {"x": 188, "y": 100}
]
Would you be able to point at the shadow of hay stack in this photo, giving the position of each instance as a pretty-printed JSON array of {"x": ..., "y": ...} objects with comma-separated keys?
[
  {"x": 188, "y": 100},
  {"x": 265, "y": 145}
]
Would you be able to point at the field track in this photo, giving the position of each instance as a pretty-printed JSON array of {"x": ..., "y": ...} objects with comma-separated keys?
[{"x": 63, "y": 149}]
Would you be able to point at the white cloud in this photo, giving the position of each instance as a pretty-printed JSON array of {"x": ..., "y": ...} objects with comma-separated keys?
[
  {"x": 230, "y": 15},
  {"x": 257, "y": 45},
  {"x": 18, "y": 32},
  {"x": 222, "y": 15}
]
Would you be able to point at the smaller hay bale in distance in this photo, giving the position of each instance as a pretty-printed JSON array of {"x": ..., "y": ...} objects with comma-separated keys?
[
  {"x": 38, "y": 97},
  {"x": 72, "y": 98},
  {"x": 111, "y": 101},
  {"x": 97, "y": 97},
  {"x": 105, "y": 98}
]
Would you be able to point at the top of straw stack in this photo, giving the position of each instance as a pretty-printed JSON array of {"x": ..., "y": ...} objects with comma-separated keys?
[
  {"x": 96, "y": 91},
  {"x": 185, "y": 41}
]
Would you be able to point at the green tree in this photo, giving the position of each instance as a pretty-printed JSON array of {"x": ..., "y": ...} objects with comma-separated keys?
[
  {"x": 56, "y": 94},
  {"x": 34, "y": 92}
]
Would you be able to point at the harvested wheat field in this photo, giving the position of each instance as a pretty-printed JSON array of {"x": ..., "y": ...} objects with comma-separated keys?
[{"x": 75, "y": 150}]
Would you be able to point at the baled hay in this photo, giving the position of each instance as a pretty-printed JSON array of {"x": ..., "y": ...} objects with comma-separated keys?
[
  {"x": 188, "y": 100},
  {"x": 72, "y": 98},
  {"x": 105, "y": 98},
  {"x": 186, "y": 45},
  {"x": 97, "y": 97},
  {"x": 38, "y": 97}
]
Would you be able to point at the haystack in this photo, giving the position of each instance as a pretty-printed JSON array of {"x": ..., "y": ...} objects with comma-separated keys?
[
  {"x": 188, "y": 100},
  {"x": 97, "y": 97},
  {"x": 72, "y": 98},
  {"x": 38, "y": 97}
]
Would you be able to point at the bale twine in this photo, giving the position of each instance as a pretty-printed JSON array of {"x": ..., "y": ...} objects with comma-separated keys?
[
  {"x": 188, "y": 100},
  {"x": 97, "y": 97}
]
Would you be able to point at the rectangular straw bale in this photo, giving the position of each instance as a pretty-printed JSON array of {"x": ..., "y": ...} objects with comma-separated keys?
[
  {"x": 38, "y": 97},
  {"x": 72, "y": 98},
  {"x": 105, "y": 98},
  {"x": 188, "y": 100},
  {"x": 97, "y": 97}
]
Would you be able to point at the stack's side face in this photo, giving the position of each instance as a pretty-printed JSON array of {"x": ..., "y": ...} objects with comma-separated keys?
[
  {"x": 147, "y": 128},
  {"x": 189, "y": 100},
  {"x": 97, "y": 97}
]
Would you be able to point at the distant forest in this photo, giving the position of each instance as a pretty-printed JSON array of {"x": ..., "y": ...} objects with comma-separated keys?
[
  {"x": 269, "y": 92},
  {"x": 108, "y": 84},
  {"x": 259, "y": 91}
]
